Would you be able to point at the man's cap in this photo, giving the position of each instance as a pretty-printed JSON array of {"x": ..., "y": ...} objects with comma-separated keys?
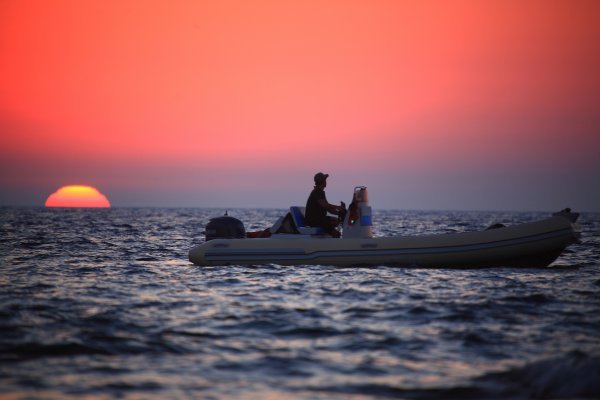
[{"x": 320, "y": 177}]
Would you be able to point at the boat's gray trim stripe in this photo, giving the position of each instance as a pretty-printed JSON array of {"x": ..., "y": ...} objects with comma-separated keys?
[{"x": 299, "y": 254}]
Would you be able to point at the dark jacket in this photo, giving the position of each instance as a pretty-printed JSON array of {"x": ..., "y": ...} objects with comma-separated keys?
[{"x": 315, "y": 215}]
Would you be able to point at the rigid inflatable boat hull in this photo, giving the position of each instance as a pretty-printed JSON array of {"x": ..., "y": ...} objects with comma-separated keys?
[{"x": 534, "y": 244}]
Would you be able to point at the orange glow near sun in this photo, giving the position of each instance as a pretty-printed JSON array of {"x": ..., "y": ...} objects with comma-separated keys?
[{"x": 77, "y": 196}]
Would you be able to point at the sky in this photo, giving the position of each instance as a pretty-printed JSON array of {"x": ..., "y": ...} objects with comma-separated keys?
[{"x": 468, "y": 105}]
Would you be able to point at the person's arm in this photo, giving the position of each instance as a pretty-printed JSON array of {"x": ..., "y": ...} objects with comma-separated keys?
[{"x": 330, "y": 207}]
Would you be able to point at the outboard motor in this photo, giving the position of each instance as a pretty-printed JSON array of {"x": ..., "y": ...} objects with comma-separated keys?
[
  {"x": 225, "y": 227},
  {"x": 358, "y": 223}
]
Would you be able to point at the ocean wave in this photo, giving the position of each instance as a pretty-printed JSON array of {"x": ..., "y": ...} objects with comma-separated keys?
[
  {"x": 106, "y": 304},
  {"x": 572, "y": 376}
]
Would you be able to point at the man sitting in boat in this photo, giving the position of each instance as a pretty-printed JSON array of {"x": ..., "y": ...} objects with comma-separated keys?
[{"x": 317, "y": 207}]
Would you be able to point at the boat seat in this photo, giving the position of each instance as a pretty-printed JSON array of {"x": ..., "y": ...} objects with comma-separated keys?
[{"x": 297, "y": 213}]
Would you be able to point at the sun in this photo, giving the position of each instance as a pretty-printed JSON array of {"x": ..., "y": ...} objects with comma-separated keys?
[{"x": 77, "y": 196}]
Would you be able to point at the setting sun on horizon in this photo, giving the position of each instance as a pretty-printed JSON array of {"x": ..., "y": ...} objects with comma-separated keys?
[{"x": 77, "y": 196}]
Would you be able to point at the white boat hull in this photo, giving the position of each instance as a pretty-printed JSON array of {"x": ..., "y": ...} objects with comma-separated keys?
[{"x": 534, "y": 244}]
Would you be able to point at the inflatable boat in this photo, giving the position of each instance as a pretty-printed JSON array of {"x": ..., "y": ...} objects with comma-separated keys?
[{"x": 289, "y": 242}]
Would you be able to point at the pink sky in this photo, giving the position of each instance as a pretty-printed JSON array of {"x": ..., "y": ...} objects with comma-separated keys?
[{"x": 431, "y": 104}]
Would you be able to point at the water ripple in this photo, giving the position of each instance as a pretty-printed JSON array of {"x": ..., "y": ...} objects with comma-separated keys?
[{"x": 104, "y": 304}]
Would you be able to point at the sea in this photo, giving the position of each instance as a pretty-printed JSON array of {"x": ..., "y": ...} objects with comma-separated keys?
[{"x": 104, "y": 304}]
